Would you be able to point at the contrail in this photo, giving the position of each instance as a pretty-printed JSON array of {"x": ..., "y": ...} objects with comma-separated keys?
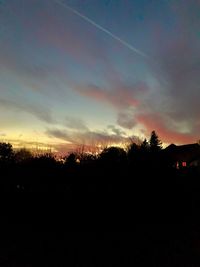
[{"x": 129, "y": 46}]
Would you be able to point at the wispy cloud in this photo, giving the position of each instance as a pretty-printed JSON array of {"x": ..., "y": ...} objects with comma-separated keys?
[
  {"x": 60, "y": 134},
  {"x": 119, "y": 98},
  {"x": 40, "y": 112},
  {"x": 91, "y": 138},
  {"x": 126, "y": 119},
  {"x": 75, "y": 123},
  {"x": 116, "y": 130}
]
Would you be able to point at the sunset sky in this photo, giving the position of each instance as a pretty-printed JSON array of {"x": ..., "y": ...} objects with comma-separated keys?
[{"x": 98, "y": 72}]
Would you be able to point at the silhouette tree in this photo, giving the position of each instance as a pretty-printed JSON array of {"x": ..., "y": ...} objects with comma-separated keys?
[
  {"x": 133, "y": 152},
  {"x": 155, "y": 142},
  {"x": 6, "y": 153},
  {"x": 23, "y": 155},
  {"x": 138, "y": 155},
  {"x": 144, "y": 146}
]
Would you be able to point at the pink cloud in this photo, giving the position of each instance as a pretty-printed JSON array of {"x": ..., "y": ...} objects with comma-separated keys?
[
  {"x": 120, "y": 98},
  {"x": 155, "y": 122}
]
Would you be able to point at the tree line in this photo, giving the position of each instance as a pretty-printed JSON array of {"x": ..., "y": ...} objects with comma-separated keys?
[{"x": 8, "y": 156}]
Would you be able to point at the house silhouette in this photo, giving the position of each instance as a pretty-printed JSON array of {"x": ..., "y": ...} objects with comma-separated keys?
[{"x": 184, "y": 155}]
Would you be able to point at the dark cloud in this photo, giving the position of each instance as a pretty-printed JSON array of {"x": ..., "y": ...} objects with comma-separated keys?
[
  {"x": 178, "y": 66},
  {"x": 39, "y": 111},
  {"x": 75, "y": 123},
  {"x": 126, "y": 119},
  {"x": 171, "y": 105},
  {"x": 60, "y": 134}
]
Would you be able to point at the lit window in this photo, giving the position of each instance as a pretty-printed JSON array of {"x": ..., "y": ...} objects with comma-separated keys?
[{"x": 184, "y": 163}]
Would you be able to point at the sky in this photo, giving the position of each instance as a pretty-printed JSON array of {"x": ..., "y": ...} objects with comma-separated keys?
[{"x": 99, "y": 72}]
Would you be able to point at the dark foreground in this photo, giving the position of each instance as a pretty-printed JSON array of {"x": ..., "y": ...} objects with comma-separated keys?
[
  {"x": 73, "y": 216},
  {"x": 145, "y": 245}
]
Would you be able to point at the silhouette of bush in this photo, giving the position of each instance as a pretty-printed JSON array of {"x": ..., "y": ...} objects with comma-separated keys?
[
  {"x": 71, "y": 160},
  {"x": 46, "y": 160},
  {"x": 86, "y": 158},
  {"x": 113, "y": 156}
]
